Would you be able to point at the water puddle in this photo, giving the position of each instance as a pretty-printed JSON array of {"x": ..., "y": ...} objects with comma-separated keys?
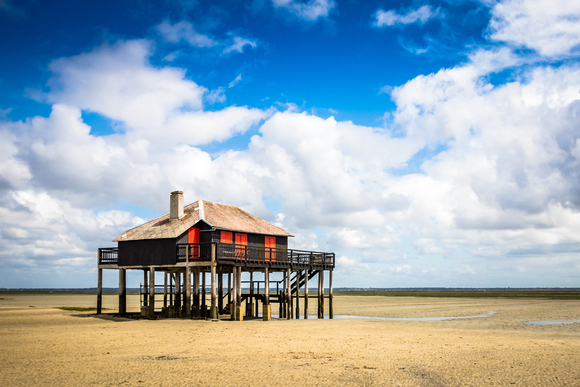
[
  {"x": 552, "y": 322},
  {"x": 488, "y": 314}
]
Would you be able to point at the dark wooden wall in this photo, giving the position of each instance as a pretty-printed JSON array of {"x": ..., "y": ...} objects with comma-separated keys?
[{"x": 148, "y": 252}]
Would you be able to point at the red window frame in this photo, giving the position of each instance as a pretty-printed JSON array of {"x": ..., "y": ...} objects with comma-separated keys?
[
  {"x": 241, "y": 242},
  {"x": 226, "y": 237}
]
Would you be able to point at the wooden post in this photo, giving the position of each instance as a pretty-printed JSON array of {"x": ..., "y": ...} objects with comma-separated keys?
[
  {"x": 165, "y": 290},
  {"x": 203, "y": 302},
  {"x": 306, "y": 274},
  {"x": 288, "y": 294},
  {"x": 321, "y": 294},
  {"x": 220, "y": 305},
  {"x": 239, "y": 315},
  {"x": 282, "y": 297},
  {"x": 122, "y": 292},
  {"x": 266, "y": 308},
  {"x": 250, "y": 305},
  {"x": 298, "y": 278},
  {"x": 230, "y": 288},
  {"x": 145, "y": 288},
  {"x": 99, "y": 291},
  {"x": 234, "y": 293},
  {"x": 330, "y": 306},
  {"x": 171, "y": 289},
  {"x": 213, "y": 312},
  {"x": 151, "y": 312},
  {"x": 187, "y": 300},
  {"x": 178, "y": 294},
  {"x": 196, "y": 292}
]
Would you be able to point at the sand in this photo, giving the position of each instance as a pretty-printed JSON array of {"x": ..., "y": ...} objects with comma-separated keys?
[{"x": 46, "y": 346}]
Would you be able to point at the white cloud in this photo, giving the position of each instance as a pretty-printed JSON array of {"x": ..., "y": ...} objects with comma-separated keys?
[
  {"x": 309, "y": 11},
  {"x": 238, "y": 45},
  {"x": 391, "y": 18},
  {"x": 183, "y": 30},
  {"x": 237, "y": 80},
  {"x": 552, "y": 28},
  {"x": 157, "y": 104}
]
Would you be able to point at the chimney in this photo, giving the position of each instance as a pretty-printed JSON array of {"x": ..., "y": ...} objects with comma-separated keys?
[{"x": 176, "y": 205}]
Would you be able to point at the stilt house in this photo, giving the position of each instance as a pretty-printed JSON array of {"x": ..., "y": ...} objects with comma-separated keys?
[{"x": 220, "y": 240}]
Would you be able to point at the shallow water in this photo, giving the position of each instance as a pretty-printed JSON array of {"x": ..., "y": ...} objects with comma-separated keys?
[
  {"x": 552, "y": 322},
  {"x": 488, "y": 314}
]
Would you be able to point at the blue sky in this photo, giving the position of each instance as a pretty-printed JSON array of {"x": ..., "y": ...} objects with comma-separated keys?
[{"x": 426, "y": 143}]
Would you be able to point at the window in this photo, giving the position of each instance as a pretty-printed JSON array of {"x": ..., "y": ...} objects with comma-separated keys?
[{"x": 226, "y": 237}]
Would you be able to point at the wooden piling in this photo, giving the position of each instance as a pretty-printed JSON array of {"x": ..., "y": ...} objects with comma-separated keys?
[
  {"x": 234, "y": 292},
  {"x": 196, "y": 293},
  {"x": 288, "y": 298},
  {"x": 178, "y": 294},
  {"x": 266, "y": 309},
  {"x": 321, "y": 294},
  {"x": 330, "y": 298},
  {"x": 306, "y": 273},
  {"x": 122, "y": 292},
  {"x": 213, "y": 312},
  {"x": 239, "y": 315},
  {"x": 220, "y": 298},
  {"x": 100, "y": 291},
  {"x": 165, "y": 290},
  {"x": 151, "y": 312},
  {"x": 203, "y": 296},
  {"x": 187, "y": 285},
  {"x": 145, "y": 289},
  {"x": 298, "y": 293}
]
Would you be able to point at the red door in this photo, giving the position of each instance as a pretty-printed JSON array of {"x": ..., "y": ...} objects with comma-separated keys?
[
  {"x": 193, "y": 240},
  {"x": 270, "y": 247},
  {"x": 241, "y": 243}
]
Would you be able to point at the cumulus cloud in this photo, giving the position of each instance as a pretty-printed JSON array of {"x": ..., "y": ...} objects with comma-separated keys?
[
  {"x": 391, "y": 18},
  {"x": 157, "y": 104},
  {"x": 309, "y": 11},
  {"x": 552, "y": 28}
]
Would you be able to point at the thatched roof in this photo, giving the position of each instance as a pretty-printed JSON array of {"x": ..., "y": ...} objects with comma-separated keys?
[{"x": 219, "y": 216}]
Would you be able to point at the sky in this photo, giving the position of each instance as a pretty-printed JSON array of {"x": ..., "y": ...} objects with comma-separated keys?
[{"x": 425, "y": 143}]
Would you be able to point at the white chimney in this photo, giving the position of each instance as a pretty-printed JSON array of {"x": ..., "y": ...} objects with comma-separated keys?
[{"x": 176, "y": 205}]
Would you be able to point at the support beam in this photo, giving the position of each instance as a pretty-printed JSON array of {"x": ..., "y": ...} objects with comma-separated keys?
[
  {"x": 213, "y": 312},
  {"x": 203, "y": 301},
  {"x": 165, "y": 290},
  {"x": 239, "y": 314},
  {"x": 100, "y": 291},
  {"x": 122, "y": 292},
  {"x": 234, "y": 293},
  {"x": 230, "y": 287},
  {"x": 330, "y": 300},
  {"x": 178, "y": 294},
  {"x": 306, "y": 273},
  {"x": 220, "y": 305},
  {"x": 145, "y": 288},
  {"x": 187, "y": 291},
  {"x": 266, "y": 308},
  {"x": 288, "y": 309},
  {"x": 196, "y": 293},
  {"x": 321, "y": 294},
  {"x": 298, "y": 293},
  {"x": 151, "y": 312}
]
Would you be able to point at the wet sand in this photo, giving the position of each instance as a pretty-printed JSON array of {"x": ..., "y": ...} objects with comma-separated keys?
[{"x": 46, "y": 346}]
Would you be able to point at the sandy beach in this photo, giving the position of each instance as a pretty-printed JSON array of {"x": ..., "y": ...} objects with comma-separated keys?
[{"x": 42, "y": 345}]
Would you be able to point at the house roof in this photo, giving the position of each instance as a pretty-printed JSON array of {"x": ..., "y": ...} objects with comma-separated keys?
[{"x": 217, "y": 215}]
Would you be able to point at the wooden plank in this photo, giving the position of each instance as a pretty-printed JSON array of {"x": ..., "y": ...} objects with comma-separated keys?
[
  {"x": 151, "y": 313},
  {"x": 330, "y": 297},
  {"x": 306, "y": 273}
]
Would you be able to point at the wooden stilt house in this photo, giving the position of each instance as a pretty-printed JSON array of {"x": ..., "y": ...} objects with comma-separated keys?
[{"x": 221, "y": 241}]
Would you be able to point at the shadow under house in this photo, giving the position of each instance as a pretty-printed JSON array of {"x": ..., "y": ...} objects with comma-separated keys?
[{"x": 222, "y": 241}]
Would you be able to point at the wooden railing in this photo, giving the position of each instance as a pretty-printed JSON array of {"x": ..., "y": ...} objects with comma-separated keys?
[
  {"x": 108, "y": 256},
  {"x": 233, "y": 252}
]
